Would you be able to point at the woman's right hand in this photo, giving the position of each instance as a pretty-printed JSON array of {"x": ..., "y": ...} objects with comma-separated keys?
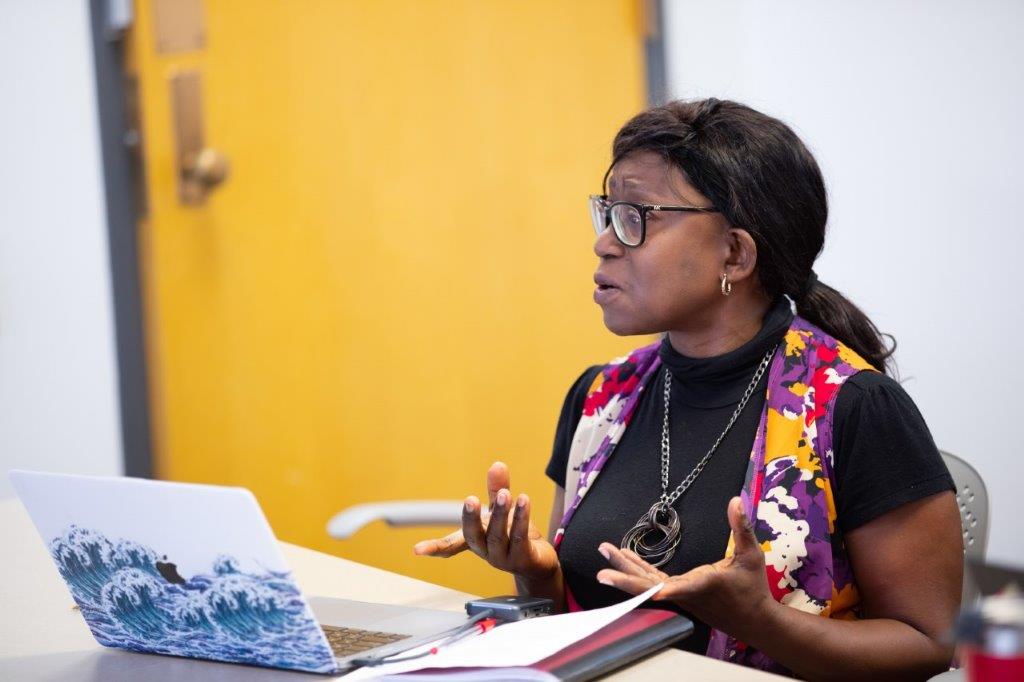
[{"x": 503, "y": 535}]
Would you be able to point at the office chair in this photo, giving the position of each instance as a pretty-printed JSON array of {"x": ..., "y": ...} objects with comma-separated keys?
[{"x": 972, "y": 500}]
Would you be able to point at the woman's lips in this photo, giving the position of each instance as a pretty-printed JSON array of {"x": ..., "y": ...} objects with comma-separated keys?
[
  {"x": 606, "y": 289},
  {"x": 605, "y": 293}
]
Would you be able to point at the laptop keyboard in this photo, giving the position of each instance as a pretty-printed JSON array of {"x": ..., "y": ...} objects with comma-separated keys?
[{"x": 348, "y": 641}]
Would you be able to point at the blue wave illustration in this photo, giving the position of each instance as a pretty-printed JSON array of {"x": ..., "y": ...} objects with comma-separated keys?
[{"x": 133, "y": 601}]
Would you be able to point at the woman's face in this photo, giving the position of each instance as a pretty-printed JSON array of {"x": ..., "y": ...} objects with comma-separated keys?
[{"x": 671, "y": 281}]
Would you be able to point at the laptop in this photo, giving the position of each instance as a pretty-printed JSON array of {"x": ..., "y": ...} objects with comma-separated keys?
[{"x": 195, "y": 571}]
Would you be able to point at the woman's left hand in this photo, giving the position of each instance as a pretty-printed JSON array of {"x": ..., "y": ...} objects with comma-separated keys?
[{"x": 731, "y": 595}]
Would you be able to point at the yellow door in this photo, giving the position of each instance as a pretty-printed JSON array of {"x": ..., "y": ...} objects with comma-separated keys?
[{"x": 391, "y": 289}]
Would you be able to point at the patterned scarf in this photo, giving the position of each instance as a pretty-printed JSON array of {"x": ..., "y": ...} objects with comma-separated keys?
[{"x": 788, "y": 486}]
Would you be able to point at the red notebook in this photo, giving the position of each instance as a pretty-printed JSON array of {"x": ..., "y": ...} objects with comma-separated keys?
[{"x": 633, "y": 636}]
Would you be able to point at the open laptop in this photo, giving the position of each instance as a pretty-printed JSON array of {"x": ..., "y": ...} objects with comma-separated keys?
[{"x": 194, "y": 570}]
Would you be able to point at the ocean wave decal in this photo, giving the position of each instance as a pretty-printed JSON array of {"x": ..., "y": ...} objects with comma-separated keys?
[{"x": 132, "y": 598}]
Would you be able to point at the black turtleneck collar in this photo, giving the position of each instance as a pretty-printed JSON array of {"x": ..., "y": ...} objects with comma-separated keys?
[{"x": 720, "y": 381}]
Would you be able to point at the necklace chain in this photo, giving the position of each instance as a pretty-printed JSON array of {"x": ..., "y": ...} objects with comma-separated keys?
[
  {"x": 661, "y": 519},
  {"x": 667, "y": 498}
]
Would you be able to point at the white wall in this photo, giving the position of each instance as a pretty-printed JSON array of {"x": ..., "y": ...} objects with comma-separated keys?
[
  {"x": 58, "y": 372},
  {"x": 912, "y": 109}
]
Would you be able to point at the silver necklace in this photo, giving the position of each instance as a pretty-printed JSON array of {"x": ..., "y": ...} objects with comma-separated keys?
[{"x": 655, "y": 536}]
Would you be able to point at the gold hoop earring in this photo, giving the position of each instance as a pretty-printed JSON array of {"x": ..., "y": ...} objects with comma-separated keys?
[{"x": 726, "y": 285}]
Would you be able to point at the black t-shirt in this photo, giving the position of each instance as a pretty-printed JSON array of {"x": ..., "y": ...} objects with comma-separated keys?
[{"x": 883, "y": 453}]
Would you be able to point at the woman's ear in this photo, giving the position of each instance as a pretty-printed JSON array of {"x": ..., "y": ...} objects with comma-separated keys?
[{"x": 742, "y": 259}]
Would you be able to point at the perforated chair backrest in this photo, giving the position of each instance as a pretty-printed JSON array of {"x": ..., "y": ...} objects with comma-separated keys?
[{"x": 972, "y": 501}]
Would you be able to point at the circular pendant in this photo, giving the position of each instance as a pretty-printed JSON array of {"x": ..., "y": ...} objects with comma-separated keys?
[{"x": 655, "y": 536}]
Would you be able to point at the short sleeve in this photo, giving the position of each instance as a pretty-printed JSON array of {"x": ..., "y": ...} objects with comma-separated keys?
[
  {"x": 572, "y": 410},
  {"x": 883, "y": 453}
]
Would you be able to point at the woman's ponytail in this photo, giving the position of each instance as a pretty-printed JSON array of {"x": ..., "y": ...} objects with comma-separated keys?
[{"x": 824, "y": 307}]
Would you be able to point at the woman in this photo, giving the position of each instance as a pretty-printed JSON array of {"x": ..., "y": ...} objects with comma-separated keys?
[{"x": 774, "y": 440}]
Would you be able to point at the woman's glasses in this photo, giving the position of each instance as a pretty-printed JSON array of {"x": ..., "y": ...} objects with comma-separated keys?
[{"x": 629, "y": 220}]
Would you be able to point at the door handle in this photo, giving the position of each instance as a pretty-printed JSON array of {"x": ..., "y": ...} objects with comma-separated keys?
[
  {"x": 207, "y": 168},
  {"x": 200, "y": 168}
]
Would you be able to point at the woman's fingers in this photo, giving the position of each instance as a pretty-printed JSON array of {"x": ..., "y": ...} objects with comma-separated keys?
[
  {"x": 478, "y": 534},
  {"x": 631, "y": 565},
  {"x": 647, "y": 568},
  {"x": 445, "y": 547},
  {"x": 519, "y": 532},
  {"x": 745, "y": 546},
  {"x": 630, "y": 573},
  {"x": 633, "y": 584},
  {"x": 473, "y": 527},
  {"x": 497, "y": 527},
  {"x": 498, "y": 477}
]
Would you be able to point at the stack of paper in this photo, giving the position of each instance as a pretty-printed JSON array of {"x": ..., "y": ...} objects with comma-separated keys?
[{"x": 514, "y": 645}]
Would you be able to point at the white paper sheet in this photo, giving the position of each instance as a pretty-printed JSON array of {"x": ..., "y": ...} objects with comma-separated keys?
[{"x": 514, "y": 644}]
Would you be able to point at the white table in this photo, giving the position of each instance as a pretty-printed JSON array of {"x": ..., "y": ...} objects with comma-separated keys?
[{"x": 43, "y": 638}]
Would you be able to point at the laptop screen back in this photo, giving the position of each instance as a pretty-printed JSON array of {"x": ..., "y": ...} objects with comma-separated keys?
[{"x": 173, "y": 568}]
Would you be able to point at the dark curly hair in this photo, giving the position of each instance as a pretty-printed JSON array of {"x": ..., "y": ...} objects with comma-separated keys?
[{"x": 762, "y": 178}]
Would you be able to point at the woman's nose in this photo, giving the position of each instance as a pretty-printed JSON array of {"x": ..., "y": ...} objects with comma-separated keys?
[{"x": 607, "y": 244}]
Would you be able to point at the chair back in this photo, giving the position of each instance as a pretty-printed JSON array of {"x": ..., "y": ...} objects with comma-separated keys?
[{"x": 972, "y": 499}]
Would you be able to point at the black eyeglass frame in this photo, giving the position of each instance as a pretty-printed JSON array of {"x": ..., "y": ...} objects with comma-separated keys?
[{"x": 643, "y": 210}]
